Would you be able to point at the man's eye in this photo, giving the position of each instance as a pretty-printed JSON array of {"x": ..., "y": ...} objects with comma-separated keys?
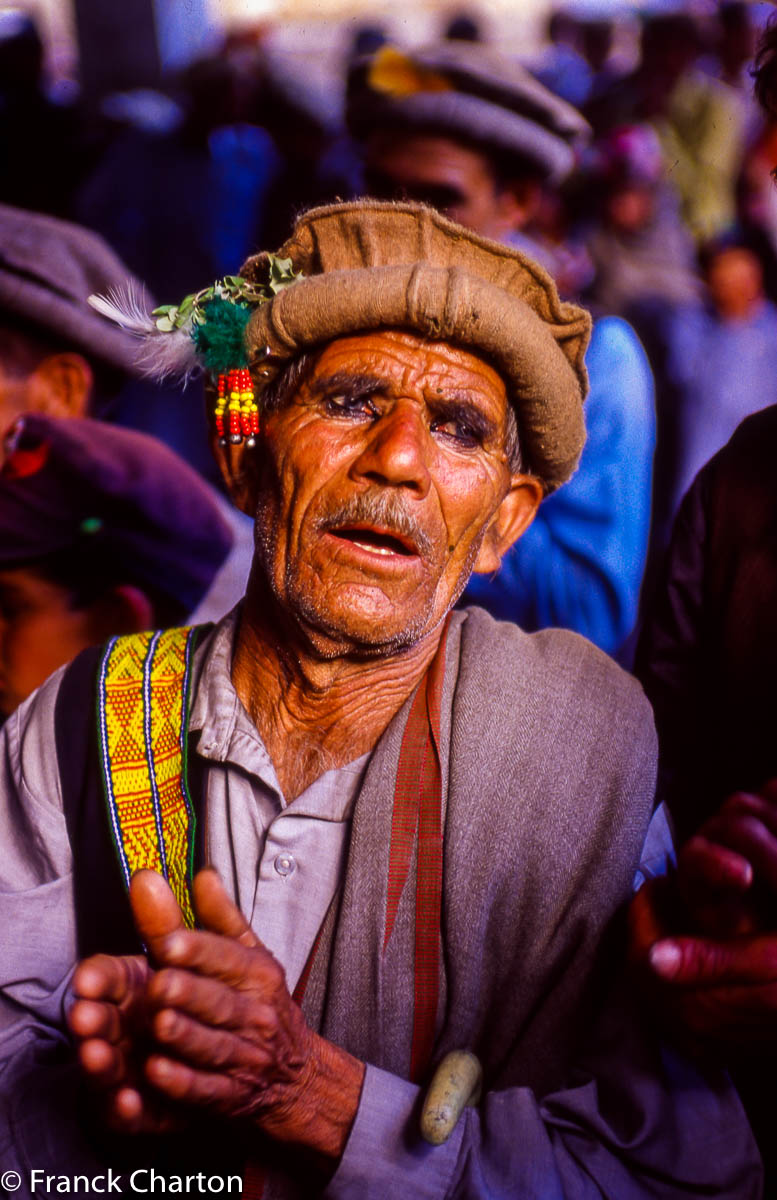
[
  {"x": 460, "y": 431},
  {"x": 350, "y": 405}
]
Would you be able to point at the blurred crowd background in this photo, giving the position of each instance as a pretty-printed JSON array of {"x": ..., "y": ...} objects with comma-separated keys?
[{"x": 187, "y": 137}]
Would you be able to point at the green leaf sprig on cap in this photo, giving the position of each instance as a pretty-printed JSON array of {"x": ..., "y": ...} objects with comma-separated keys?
[
  {"x": 204, "y": 330},
  {"x": 233, "y": 289}
]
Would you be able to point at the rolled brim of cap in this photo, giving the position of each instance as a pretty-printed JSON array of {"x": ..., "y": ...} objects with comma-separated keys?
[
  {"x": 473, "y": 118},
  {"x": 472, "y": 92},
  {"x": 68, "y": 323},
  {"x": 379, "y": 266},
  {"x": 48, "y": 268},
  {"x": 445, "y": 304}
]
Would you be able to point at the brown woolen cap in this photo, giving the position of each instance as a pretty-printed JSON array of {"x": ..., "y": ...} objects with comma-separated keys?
[{"x": 369, "y": 265}]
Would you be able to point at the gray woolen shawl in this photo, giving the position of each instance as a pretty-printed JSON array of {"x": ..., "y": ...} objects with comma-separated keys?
[{"x": 548, "y": 761}]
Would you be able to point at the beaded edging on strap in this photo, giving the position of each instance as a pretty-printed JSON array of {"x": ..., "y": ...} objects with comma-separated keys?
[{"x": 143, "y": 717}]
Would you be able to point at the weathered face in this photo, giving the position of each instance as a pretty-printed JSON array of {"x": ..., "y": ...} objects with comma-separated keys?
[
  {"x": 384, "y": 481},
  {"x": 39, "y": 631},
  {"x": 451, "y": 177}
]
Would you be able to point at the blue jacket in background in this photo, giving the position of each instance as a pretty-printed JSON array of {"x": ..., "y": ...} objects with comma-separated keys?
[{"x": 579, "y": 565}]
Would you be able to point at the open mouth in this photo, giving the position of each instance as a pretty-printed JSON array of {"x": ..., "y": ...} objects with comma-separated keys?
[{"x": 376, "y": 541}]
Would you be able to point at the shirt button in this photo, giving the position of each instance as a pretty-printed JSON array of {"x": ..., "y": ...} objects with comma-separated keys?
[{"x": 285, "y": 864}]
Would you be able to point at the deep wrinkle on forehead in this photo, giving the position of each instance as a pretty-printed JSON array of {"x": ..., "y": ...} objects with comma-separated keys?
[{"x": 415, "y": 355}]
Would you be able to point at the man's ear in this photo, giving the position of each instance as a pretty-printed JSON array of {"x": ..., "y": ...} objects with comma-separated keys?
[
  {"x": 61, "y": 386},
  {"x": 514, "y": 515},
  {"x": 238, "y": 466}
]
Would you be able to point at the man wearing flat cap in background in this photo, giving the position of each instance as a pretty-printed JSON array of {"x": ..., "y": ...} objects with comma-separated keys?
[
  {"x": 60, "y": 358},
  {"x": 425, "y": 822},
  {"x": 103, "y": 531},
  {"x": 470, "y": 131}
]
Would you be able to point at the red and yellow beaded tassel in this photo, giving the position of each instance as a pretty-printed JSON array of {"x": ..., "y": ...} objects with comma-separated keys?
[
  {"x": 249, "y": 412},
  {"x": 221, "y": 404},
  {"x": 233, "y": 408},
  {"x": 236, "y": 408}
]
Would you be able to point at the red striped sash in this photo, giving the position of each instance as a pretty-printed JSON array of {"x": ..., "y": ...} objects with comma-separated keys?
[{"x": 417, "y": 808}]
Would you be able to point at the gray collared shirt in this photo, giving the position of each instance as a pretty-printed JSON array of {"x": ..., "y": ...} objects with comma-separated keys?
[{"x": 281, "y": 862}]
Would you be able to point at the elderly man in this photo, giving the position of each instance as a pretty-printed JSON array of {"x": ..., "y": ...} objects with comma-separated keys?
[
  {"x": 425, "y": 823},
  {"x": 470, "y": 131}
]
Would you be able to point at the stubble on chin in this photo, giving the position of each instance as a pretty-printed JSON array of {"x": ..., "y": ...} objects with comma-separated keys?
[{"x": 332, "y": 634}]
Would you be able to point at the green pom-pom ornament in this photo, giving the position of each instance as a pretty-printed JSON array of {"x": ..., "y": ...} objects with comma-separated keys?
[{"x": 220, "y": 338}]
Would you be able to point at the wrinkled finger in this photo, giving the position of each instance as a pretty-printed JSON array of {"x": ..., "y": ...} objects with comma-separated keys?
[
  {"x": 128, "y": 1111},
  {"x": 186, "y": 1084},
  {"x": 696, "y": 962},
  {"x": 220, "y": 958},
  {"x": 154, "y": 908},
  {"x": 217, "y": 912},
  {"x": 705, "y": 868},
  {"x": 107, "y": 977},
  {"x": 746, "y": 834},
  {"x": 743, "y": 1015},
  {"x": 91, "y": 1019},
  {"x": 104, "y": 1064},
  {"x": 202, "y": 1046},
  {"x": 762, "y": 805},
  {"x": 207, "y": 953},
  {"x": 209, "y": 1000},
  {"x": 727, "y": 1018}
]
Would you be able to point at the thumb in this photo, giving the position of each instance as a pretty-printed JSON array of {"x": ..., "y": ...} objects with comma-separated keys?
[
  {"x": 695, "y": 962},
  {"x": 216, "y": 911},
  {"x": 154, "y": 908}
]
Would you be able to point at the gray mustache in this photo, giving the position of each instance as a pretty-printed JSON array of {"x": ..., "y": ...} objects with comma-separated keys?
[{"x": 383, "y": 509}]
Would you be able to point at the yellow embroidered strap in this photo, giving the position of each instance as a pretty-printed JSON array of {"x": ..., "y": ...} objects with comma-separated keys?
[{"x": 143, "y": 715}]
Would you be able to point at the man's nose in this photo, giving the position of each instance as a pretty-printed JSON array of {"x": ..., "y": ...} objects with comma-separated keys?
[{"x": 396, "y": 450}]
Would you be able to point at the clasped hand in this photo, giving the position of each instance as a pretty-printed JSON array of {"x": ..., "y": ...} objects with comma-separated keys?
[
  {"x": 206, "y": 1021},
  {"x": 708, "y": 935}
]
